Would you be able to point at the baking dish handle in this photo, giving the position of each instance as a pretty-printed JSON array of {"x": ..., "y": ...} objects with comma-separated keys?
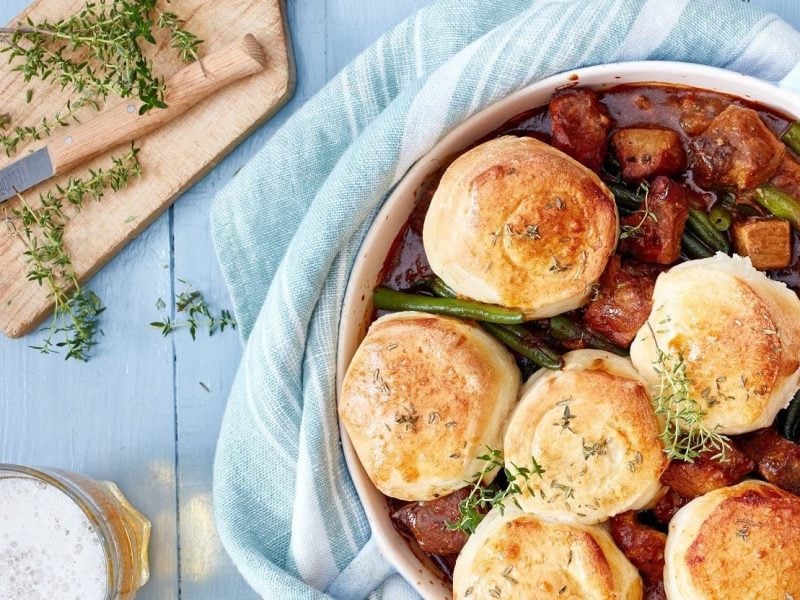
[
  {"x": 364, "y": 574},
  {"x": 792, "y": 80}
]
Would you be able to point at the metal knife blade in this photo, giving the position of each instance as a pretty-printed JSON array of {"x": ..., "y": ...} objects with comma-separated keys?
[{"x": 25, "y": 173}]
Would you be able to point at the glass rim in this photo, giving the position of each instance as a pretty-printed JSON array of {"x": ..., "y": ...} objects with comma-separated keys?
[{"x": 54, "y": 478}]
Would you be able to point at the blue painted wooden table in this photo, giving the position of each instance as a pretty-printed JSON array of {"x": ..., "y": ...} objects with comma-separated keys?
[{"x": 146, "y": 410}]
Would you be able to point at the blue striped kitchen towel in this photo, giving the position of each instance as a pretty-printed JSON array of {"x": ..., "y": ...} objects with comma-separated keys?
[{"x": 288, "y": 227}]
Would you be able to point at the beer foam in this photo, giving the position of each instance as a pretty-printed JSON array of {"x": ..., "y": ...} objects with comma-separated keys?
[{"x": 48, "y": 546}]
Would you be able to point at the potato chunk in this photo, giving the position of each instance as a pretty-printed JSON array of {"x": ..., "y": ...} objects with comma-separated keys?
[
  {"x": 646, "y": 153},
  {"x": 768, "y": 242},
  {"x": 737, "y": 150}
]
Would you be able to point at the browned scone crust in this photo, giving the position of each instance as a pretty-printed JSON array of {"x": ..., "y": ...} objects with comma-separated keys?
[
  {"x": 517, "y": 556},
  {"x": 518, "y": 223},
  {"x": 738, "y": 334},
  {"x": 735, "y": 542},
  {"x": 422, "y": 398},
  {"x": 591, "y": 426}
]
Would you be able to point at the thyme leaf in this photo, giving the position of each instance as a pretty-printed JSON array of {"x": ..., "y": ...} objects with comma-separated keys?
[
  {"x": 634, "y": 230},
  {"x": 684, "y": 435},
  {"x": 474, "y": 507}
]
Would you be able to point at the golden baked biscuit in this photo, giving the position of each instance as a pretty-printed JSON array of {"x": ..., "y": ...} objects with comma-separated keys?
[
  {"x": 592, "y": 428},
  {"x": 422, "y": 398},
  {"x": 518, "y": 223},
  {"x": 735, "y": 542},
  {"x": 517, "y": 556},
  {"x": 736, "y": 331}
]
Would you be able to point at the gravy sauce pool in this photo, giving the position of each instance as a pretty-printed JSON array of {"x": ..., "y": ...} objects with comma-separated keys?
[{"x": 629, "y": 106}]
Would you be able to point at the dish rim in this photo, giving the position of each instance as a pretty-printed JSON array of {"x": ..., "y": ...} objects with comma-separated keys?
[{"x": 356, "y": 306}]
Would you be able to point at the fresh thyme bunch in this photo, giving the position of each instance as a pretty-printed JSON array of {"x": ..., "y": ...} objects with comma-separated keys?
[
  {"x": 93, "y": 54},
  {"x": 75, "y": 321},
  {"x": 474, "y": 507},
  {"x": 684, "y": 435}
]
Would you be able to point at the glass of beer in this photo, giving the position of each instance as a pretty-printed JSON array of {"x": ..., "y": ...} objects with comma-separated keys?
[{"x": 64, "y": 535}]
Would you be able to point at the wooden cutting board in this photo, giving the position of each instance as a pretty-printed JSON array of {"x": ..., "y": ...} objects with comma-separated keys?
[{"x": 172, "y": 158}]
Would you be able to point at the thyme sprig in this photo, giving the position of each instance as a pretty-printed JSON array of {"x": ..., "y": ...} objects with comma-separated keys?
[
  {"x": 474, "y": 507},
  {"x": 97, "y": 52},
  {"x": 684, "y": 435},
  {"x": 75, "y": 321},
  {"x": 23, "y": 133},
  {"x": 182, "y": 40},
  {"x": 198, "y": 314},
  {"x": 633, "y": 230}
]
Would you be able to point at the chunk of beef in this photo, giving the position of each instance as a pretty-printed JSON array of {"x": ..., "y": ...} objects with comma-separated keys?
[
  {"x": 427, "y": 522},
  {"x": 666, "y": 508},
  {"x": 580, "y": 124},
  {"x": 646, "y": 153},
  {"x": 788, "y": 176},
  {"x": 777, "y": 459},
  {"x": 623, "y": 301},
  {"x": 654, "y": 236},
  {"x": 654, "y": 591},
  {"x": 768, "y": 242},
  {"x": 737, "y": 149},
  {"x": 707, "y": 473},
  {"x": 698, "y": 110},
  {"x": 644, "y": 547}
]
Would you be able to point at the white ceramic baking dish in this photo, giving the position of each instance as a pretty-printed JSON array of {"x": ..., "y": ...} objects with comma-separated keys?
[{"x": 357, "y": 306}]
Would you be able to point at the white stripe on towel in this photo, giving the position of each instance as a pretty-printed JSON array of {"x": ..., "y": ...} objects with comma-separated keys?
[{"x": 651, "y": 28}]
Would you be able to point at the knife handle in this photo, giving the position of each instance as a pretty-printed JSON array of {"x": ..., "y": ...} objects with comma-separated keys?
[{"x": 123, "y": 123}]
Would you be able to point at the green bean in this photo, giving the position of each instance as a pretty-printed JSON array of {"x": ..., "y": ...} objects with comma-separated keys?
[
  {"x": 694, "y": 248},
  {"x": 700, "y": 225},
  {"x": 518, "y": 338},
  {"x": 748, "y": 210},
  {"x": 611, "y": 165},
  {"x": 386, "y": 299},
  {"x": 526, "y": 344},
  {"x": 565, "y": 329},
  {"x": 779, "y": 203},
  {"x": 792, "y": 420},
  {"x": 791, "y": 137},
  {"x": 440, "y": 288},
  {"x": 625, "y": 198},
  {"x": 720, "y": 218}
]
